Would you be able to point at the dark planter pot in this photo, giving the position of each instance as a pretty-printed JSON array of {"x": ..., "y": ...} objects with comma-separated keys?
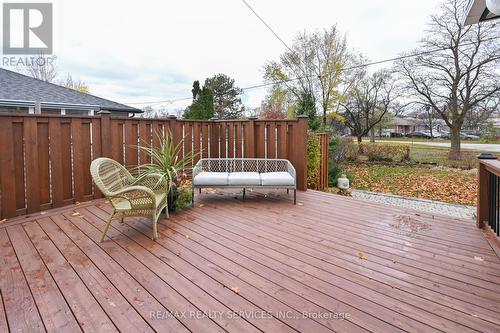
[{"x": 172, "y": 200}]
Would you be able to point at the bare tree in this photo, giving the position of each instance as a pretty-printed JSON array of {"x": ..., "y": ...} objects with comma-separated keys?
[
  {"x": 314, "y": 66},
  {"x": 460, "y": 78},
  {"x": 41, "y": 67},
  {"x": 428, "y": 116},
  {"x": 368, "y": 102},
  {"x": 77, "y": 85},
  {"x": 479, "y": 117}
]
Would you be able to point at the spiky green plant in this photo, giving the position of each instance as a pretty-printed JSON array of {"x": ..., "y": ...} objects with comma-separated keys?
[{"x": 167, "y": 160}]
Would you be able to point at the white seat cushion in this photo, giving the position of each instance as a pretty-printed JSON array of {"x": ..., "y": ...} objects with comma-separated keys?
[
  {"x": 211, "y": 179},
  {"x": 244, "y": 179},
  {"x": 276, "y": 179}
]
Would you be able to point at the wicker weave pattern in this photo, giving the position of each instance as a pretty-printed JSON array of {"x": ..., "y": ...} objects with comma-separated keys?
[{"x": 146, "y": 196}]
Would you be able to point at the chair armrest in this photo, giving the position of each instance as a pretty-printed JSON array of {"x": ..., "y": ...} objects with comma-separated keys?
[
  {"x": 153, "y": 182},
  {"x": 138, "y": 196}
]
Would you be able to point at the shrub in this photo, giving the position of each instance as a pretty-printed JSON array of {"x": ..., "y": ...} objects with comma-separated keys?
[
  {"x": 490, "y": 134},
  {"x": 380, "y": 152},
  {"x": 339, "y": 149},
  {"x": 184, "y": 195},
  {"x": 313, "y": 161}
]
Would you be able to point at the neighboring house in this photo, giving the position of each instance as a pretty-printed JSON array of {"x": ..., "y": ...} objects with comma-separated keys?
[
  {"x": 402, "y": 125},
  {"x": 24, "y": 94},
  {"x": 405, "y": 125},
  {"x": 482, "y": 10}
]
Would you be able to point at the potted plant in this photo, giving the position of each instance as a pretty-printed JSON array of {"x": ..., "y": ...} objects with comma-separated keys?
[{"x": 167, "y": 161}]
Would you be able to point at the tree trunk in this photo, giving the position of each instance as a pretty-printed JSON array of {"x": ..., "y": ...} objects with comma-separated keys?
[
  {"x": 360, "y": 147},
  {"x": 455, "y": 143},
  {"x": 372, "y": 135}
]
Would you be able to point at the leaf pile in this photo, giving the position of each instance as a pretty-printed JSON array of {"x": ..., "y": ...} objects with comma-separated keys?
[{"x": 440, "y": 184}]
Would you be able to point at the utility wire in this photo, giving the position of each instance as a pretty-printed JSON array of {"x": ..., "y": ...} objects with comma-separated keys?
[
  {"x": 268, "y": 27},
  {"x": 378, "y": 62}
]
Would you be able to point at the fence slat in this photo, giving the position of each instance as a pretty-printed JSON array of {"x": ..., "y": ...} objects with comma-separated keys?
[
  {"x": 144, "y": 140},
  {"x": 32, "y": 173},
  {"x": 86, "y": 158},
  {"x": 97, "y": 149},
  {"x": 230, "y": 140},
  {"x": 67, "y": 177},
  {"x": 43, "y": 161},
  {"x": 282, "y": 140},
  {"x": 131, "y": 138},
  {"x": 78, "y": 166},
  {"x": 196, "y": 141},
  {"x": 7, "y": 170}
]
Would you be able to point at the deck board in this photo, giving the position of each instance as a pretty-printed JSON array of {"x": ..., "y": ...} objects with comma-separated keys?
[{"x": 263, "y": 258}]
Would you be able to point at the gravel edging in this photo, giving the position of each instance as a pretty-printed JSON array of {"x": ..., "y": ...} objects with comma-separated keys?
[{"x": 425, "y": 205}]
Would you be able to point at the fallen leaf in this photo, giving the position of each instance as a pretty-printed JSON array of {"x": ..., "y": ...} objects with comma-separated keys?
[
  {"x": 362, "y": 255},
  {"x": 4, "y": 220},
  {"x": 43, "y": 213},
  {"x": 201, "y": 205},
  {"x": 75, "y": 214},
  {"x": 408, "y": 244},
  {"x": 300, "y": 204},
  {"x": 236, "y": 289},
  {"x": 187, "y": 236},
  {"x": 77, "y": 203},
  {"x": 478, "y": 258}
]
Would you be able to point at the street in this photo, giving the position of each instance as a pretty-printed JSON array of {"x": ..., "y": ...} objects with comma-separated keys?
[{"x": 469, "y": 146}]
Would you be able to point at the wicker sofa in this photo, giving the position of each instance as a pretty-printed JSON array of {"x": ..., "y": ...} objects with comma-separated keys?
[{"x": 244, "y": 173}]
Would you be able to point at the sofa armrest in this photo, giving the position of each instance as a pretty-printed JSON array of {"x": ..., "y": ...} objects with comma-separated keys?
[{"x": 291, "y": 170}]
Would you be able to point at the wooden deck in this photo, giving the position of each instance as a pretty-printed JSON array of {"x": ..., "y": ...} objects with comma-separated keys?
[{"x": 328, "y": 264}]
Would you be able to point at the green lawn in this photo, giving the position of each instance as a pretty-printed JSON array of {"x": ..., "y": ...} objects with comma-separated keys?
[{"x": 439, "y": 156}]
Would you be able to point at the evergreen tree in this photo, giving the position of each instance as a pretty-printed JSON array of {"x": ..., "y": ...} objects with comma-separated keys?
[
  {"x": 306, "y": 105},
  {"x": 203, "y": 103}
]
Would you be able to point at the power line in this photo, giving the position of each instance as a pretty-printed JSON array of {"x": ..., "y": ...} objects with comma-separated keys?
[
  {"x": 378, "y": 62},
  {"x": 268, "y": 27}
]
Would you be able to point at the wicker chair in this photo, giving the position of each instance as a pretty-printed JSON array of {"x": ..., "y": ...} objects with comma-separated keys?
[{"x": 129, "y": 196}]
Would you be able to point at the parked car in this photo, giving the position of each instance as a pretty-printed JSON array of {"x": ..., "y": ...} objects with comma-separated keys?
[
  {"x": 471, "y": 132},
  {"x": 419, "y": 134},
  {"x": 445, "y": 135},
  {"x": 434, "y": 134},
  {"x": 396, "y": 135},
  {"x": 466, "y": 136},
  {"x": 463, "y": 136}
]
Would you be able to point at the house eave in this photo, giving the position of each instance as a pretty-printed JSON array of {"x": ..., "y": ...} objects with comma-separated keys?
[
  {"x": 66, "y": 106},
  {"x": 478, "y": 12}
]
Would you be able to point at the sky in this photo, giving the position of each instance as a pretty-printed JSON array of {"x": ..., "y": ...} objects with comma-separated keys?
[{"x": 143, "y": 51}]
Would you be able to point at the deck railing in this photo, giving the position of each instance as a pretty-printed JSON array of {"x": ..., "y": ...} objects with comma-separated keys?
[
  {"x": 488, "y": 198},
  {"x": 45, "y": 159}
]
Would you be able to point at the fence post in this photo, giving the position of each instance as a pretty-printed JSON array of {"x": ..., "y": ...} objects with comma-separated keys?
[
  {"x": 483, "y": 189},
  {"x": 297, "y": 150},
  {"x": 105, "y": 133}
]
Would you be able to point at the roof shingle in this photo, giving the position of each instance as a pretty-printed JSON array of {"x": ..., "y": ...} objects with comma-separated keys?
[{"x": 22, "y": 88}]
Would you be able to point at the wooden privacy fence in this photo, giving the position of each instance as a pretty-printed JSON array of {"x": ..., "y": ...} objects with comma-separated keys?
[{"x": 45, "y": 159}]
